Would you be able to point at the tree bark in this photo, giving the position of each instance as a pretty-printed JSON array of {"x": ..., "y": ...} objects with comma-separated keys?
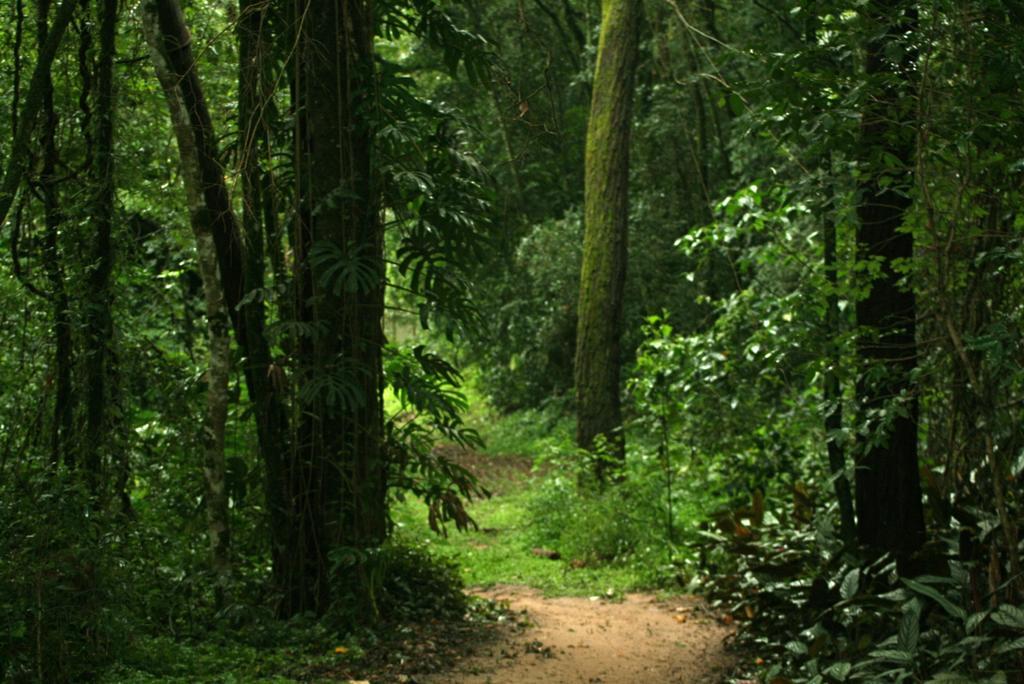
[
  {"x": 217, "y": 318},
  {"x": 339, "y": 471},
  {"x": 171, "y": 44},
  {"x": 833, "y": 391},
  {"x": 890, "y": 516},
  {"x": 99, "y": 326},
  {"x": 606, "y": 223},
  {"x": 61, "y": 447}
]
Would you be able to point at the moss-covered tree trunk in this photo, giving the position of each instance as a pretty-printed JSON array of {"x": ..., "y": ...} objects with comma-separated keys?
[
  {"x": 606, "y": 223},
  {"x": 890, "y": 516}
]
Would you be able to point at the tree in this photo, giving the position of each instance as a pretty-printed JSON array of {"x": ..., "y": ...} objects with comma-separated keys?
[
  {"x": 217, "y": 320},
  {"x": 18, "y": 161},
  {"x": 338, "y": 469},
  {"x": 888, "y": 492},
  {"x": 99, "y": 391},
  {"x": 598, "y": 360}
]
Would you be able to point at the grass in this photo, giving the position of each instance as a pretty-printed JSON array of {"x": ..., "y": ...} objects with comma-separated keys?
[
  {"x": 501, "y": 551},
  {"x": 610, "y": 542}
]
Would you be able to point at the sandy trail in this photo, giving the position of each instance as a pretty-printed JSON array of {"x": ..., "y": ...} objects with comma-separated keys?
[{"x": 636, "y": 640}]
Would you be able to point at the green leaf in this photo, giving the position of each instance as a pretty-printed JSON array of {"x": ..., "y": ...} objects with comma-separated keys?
[
  {"x": 893, "y": 655},
  {"x": 974, "y": 620},
  {"x": 735, "y": 104},
  {"x": 1009, "y": 616},
  {"x": 839, "y": 671},
  {"x": 797, "y": 647},
  {"x": 947, "y": 605},
  {"x": 955, "y": 678},
  {"x": 910, "y": 625},
  {"x": 1015, "y": 645},
  {"x": 848, "y": 589},
  {"x": 951, "y": 678}
]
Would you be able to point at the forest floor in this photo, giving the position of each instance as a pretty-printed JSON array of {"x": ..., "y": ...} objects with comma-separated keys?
[
  {"x": 563, "y": 622},
  {"x": 635, "y": 639}
]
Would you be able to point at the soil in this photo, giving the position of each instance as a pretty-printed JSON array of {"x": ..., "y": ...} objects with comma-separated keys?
[
  {"x": 633, "y": 639},
  {"x": 519, "y": 636}
]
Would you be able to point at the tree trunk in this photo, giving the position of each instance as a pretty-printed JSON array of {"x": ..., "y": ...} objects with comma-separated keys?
[
  {"x": 99, "y": 327},
  {"x": 61, "y": 448},
  {"x": 339, "y": 471},
  {"x": 264, "y": 379},
  {"x": 606, "y": 223},
  {"x": 217, "y": 319},
  {"x": 889, "y": 510},
  {"x": 833, "y": 391}
]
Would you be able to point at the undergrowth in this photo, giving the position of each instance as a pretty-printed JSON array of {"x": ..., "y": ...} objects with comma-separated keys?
[{"x": 813, "y": 612}]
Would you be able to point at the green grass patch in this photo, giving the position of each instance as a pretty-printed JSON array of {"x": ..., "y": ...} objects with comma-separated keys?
[{"x": 501, "y": 551}]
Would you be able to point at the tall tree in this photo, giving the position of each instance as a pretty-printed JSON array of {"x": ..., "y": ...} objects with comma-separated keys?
[
  {"x": 171, "y": 45},
  {"x": 888, "y": 490},
  {"x": 606, "y": 223},
  {"x": 217, "y": 320},
  {"x": 20, "y": 156},
  {"x": 99, "y": 325},
  {"x": 338, "y": 469},
  {"x": 48, "y": 182}
]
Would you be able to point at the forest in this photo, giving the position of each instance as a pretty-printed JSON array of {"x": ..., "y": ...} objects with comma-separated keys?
[{"x": 331, "y": 331}]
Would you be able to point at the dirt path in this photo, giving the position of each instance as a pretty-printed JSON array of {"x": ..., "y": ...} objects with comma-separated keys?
[{"x": 637, "y": 640}]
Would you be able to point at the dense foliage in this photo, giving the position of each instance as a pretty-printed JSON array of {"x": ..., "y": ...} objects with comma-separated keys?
[{"x": 242, "y": 283}]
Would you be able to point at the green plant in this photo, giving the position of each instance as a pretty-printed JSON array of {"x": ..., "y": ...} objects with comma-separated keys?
[{"x": 60, "y": 618}]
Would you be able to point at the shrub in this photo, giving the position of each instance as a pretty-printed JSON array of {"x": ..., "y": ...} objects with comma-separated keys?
[{"x": 60, "y": 582}]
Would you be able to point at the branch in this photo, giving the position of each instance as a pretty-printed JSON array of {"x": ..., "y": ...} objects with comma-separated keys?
[{"x": 17, "y": 165}]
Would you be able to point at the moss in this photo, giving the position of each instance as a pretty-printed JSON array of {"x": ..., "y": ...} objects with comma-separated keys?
[{"x": 606, "y": 224}]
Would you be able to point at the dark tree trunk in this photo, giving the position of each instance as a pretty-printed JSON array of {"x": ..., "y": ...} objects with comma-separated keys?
[
  {"x": 63, "y": 408},
  {"x": 338, "y": 475},
  {"x": 889, "y": 510},
  {"x": 20, "y": 156},
  {"x": 99, "y": 329},
  {"x": 833, "y": 392},
  {"x": 606, "y": 222}
]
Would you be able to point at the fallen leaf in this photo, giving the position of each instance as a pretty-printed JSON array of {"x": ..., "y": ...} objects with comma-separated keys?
[
  {"x": 680, "y": 618},
  {"x": 341, "y": 650}
]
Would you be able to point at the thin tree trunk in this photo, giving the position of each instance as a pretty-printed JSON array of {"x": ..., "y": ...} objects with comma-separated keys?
[
  {"x": 170, "y": 38},
  {"x": 606, "y": 224},
  {"x": 63, "y": 406},
  {"x": 890, "y": 515},
  {"x": 99, "y": 327},
  {"x": 219, "y": 363},
  {"x": 833, "y": 393},
  {"x": 17, "y": 163}
]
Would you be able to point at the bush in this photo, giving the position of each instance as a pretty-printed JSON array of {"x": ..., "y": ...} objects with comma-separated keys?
[
  {"x": 60, "y": 582},
  {"x": 640, "y": 522},
  {"x": 419, "y": 586}
]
